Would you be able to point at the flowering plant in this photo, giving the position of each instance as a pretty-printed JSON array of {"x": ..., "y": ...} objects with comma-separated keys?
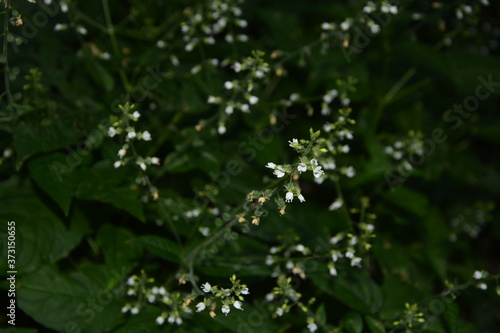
[{"x": 250, "y": 166}]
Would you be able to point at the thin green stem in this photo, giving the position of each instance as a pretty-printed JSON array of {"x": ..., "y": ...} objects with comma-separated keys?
[
  {"x": 116, "y": 50},
  {"x": 5, "y": 58}
]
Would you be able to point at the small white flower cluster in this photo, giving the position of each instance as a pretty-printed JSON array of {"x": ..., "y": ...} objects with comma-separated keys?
[
  {"x": 123, "y": 126},
  {"x": 292, "y": 264},
  {"x": 203, "y": 25},
  {"x": 345, "y": 244},
  {"x": 480, "y": 275},
  {"x": 366, "y": 19},
  {"x": 403, "y": 150},
  {"x": 284, "y": 296},
  {"x": 240, "y": 92},
  {"x": 337, "y": 133},
  {"x": 471, "y": 219},
  {"x": 175, "y": 303},
  {"x": 341, "y": 91},
  {"x": 463, "y": 10},
  {"x": 232, "y": 296},
  {"x": 281, "y": 170}
]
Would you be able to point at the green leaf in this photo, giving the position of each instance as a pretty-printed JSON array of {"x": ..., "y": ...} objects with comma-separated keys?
[
  {"x": 411, "y": 201},
  {"x": 450, "y": 316},
  {"x": 98, "y": 72},
  {"x": 117, "y": 250},
  {"x": 41, "y": 135},
  {"x": 45, "y": 170},
  {"x": 41, "y": 236},
  {"x": 68, "y": 302},
  {"x": 321, "y": 314},
  {"x": 159, "y": 246},
  {"x": 104, "y": 183},
  {"x": 352, "y": 322},
  {"x": 374, "y": 325},
  {"x": 353, "y": 288},
  {"x": 358, "y": 291}
]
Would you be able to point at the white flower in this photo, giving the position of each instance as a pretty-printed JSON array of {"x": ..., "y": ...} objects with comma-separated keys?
[
  {"x": 245, "y": 291},
  {"x": 162, "y": 291},
  {"x": 117, "y": 164},
  {"x": 212, "y": 100},
  {"x": 477, "y": 275},
  {"x": 171, "y": 319},
  {"x": 60, "y": 27},
  {"x": 367, "y": 9},
  {"x": 345, "y": 25},
  {"x": 229, "y": 109},
  {"x": 349, "y": 172},
  {"x": 269, "y": 297},
  {"x": 160, "y": 320},
  {"x": 225, "y": 309},
  {"x": 345, "y": 149},
  {"x": 482, "y": 286},
  {"x": 312, "y": 327},
  {"x": 336, "y": 204},
  {"x": 393, "y": 10},
  {"x": 314, "y": 162},
  {"x": 228, "y": 85},
  {"x": 356, "y": 261},
  {"x": 353, "y": 240},
  {"x": 237, "y": 67},
  {"x": 253, "y": 100},
  {"x": 317, "y": 172},
  {"x": 122, "y": 152},
  {"x": 388, "y": 150},
  {"x": 350, "y": 253},
  {"x": 375, "y": 29},
  {"x": 200, "y": 307},
  {"x": 384, "y": 9},
  {"x": 301, "y": 198},
  {"x": 279, "y": 312},
  {"x": 125, "y": 308},
  {"x": 302, "y": 167},
  {"x": 300, "y": 248},
  {"x": 335, "y": 239},
  {"x": 136, "y": 115},
  {"x": 333, "y": 271},
  {"x": 326, "y": 26},
  {"x": 111, "y": 132},
  {"x": 279, "y": 172},
  {"x": 142, "y": 165},
  {"x": 146, "y": 136},
  {"x": 221, "y": 129},
  {"x": 269, "y": 260},
  {"x": 206, "y": 287},
  {"x": 289, "y": 197},
  {"x": 134, "y": 310},
  {"x": 335, "y": 254},
  {"x": 205, "y": 231},
  {"x": 155, "y": 160},
  {"x": 131, "y": 134},
  {"x": 161, "y": 44},
  {"x": 271, "y": 165},
  {"x": 293, "y": 142},
  {"x": 237, "y": 305},
  {"x": 290, "y": 265},
  {"x": 244, "y": 108},
  {"x": 151, "y": 298}
]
